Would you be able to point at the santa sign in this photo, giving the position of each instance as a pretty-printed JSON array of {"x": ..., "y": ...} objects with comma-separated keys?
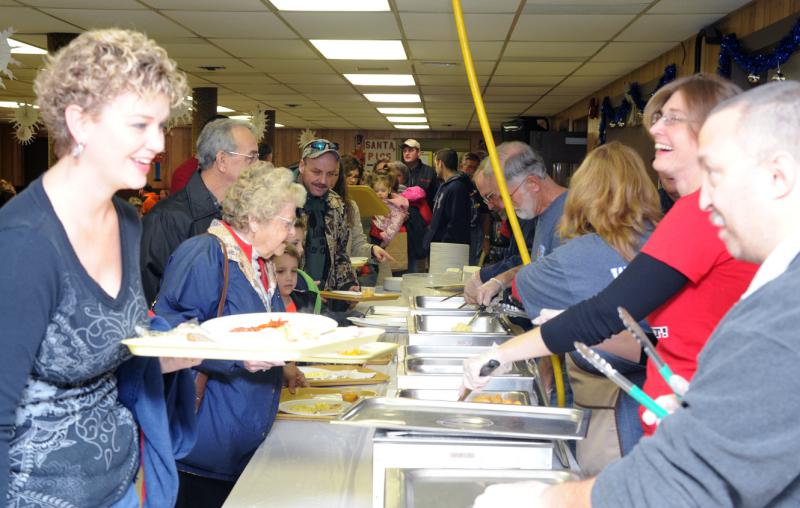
[{"x": 376, "y": 149}]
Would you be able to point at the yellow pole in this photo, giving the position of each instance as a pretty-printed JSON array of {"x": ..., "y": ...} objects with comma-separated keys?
[{"x": 498, "y": 170}]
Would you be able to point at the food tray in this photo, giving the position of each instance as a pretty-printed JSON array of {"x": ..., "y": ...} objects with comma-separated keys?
[
  {"x": 311, "y": 393},
  {"x": 519, "y": 398},
  {"x": 468, "y": 418},
  {"x": 377, "y": 378},
  {"x": 434, "y": 351},
  {"x": 370, "y": 351},
  {"x": 252, "y": 347},
  {"x": 357, "y": 297}
]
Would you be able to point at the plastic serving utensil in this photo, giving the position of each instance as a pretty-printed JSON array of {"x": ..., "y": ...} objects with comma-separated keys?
[
  {"x": 486, "y": 370},
  {"x": 611, "y": 373},
  {"x": 648, "y": 346}
]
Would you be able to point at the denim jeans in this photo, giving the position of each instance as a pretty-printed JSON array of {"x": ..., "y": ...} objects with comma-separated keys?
[{"x": 627, "y": 409}]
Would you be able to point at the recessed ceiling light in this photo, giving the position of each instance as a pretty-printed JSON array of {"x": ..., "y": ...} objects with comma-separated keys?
[
  {"x": 223, "y": 109},
  {"x": 329, "y": 6},
  {"x": 392, "y": 97},
  {"x": 407, "y": 119},
  {"x": 20, "y": 48},
  {"x": 410, "y": 126},
  {"x": 360, "y": 50},
  {"x": 381, "y": 79},
  {"x": 401, "y": 111}
]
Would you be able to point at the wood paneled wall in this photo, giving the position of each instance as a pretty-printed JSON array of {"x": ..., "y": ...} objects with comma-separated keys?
[
  {"x": 744, "y": 21},
  {"x": 10, "y": 156}
]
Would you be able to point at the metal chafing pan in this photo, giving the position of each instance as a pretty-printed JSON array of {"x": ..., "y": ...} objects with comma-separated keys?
[
  {"x": 468, "y": 418},
  {"x": 519, "y": 398},
  {"x": 441, "y": 305},
  {"x": 433, "y": 351},
  {"x": 455, "y": 488},
  {"x": 483, "y": 325},
  {"x": 451, "y": 367}
]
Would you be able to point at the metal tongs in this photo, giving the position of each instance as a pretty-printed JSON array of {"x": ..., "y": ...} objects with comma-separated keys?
[
  {"x": 649, "y": 349},
  {"x": 611, "y": 373}
]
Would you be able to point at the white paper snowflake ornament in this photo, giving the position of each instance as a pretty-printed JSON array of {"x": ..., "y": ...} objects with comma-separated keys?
[
  {"x": 305, "y": 137},
  {"x": 26, "y": 118},
  {"x": 5, "y": 55},
  {"x": 259, "y": 120}
]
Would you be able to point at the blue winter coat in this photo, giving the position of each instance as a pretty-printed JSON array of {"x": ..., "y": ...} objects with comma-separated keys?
[{"x": 239, "y": 406}]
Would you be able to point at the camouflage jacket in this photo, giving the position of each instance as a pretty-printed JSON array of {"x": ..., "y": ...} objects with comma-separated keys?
[{"x": 337, "y": 233}]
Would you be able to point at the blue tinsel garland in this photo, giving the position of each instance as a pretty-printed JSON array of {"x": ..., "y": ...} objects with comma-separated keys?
[
  {"x": 613, "y": 117},
  {"x": 731, "y": 51}
]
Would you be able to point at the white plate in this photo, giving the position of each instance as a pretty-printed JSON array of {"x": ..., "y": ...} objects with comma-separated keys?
[
  {"x": 299, "y": 332},
  {"x": 320, "y": 374},
  {"x": 366, "y": 352},
  {"x": 388, "y": 310},
  {"x": 314, "y": 407},
  {"x": 358, "y": 262}
]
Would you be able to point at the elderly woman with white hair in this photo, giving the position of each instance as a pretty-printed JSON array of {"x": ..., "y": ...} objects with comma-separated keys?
[{"x": 225, "y": 272}]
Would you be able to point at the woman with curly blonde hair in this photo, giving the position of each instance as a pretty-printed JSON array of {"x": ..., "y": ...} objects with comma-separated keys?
[
  {"x": 74, "y": 403},
  {"x": 226, "y": 272}
]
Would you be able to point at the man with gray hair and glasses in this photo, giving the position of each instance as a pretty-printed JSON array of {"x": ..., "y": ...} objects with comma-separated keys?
[
  {"x": 224, "y": 148},
  {"x": 733, "y": 440},
  {"x": 534, "y": 195}
]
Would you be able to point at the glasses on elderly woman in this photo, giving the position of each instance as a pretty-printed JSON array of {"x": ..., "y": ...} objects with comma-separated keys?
[
  {"x": 319, "y": 145},
  {"x": 290, "y": 223}
]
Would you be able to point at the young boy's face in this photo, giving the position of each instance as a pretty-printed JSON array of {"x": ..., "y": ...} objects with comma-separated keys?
[
  {"x": 381, "y": 191},
  {"x": 297, "y": 241},
  {"x": 286, "y": 273}
]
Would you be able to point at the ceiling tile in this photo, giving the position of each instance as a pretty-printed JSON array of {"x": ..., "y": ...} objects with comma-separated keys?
[
  {"x": 603, "y": 7},
  {"x": 27, "y": 20},
  {"x": 259, "y": 88},
  {"x": 484, "y": 67},
  {"x": 695, "y": 7},
  {"x": 207, "y": 5},
  {"x": 569, "y": 27},
  {"x": 551, "y": 49},
  {"x": 666, "y": 27},
  {"x": 229, "y": 64},
  {"x": 371, "y": 66},
  {"x": 595, "y": 82},
  {"x": 290, "y": 66},
  {"x": 614, "y": 69},
  {"x": 441, "y": 27},
  {"x": 193, "y": 48},
  {"x": 236, "y": 25},
  {"x": 517, "y": 90},
  {"x": 317, "y": 77},
  {"x": 639, "y": 52},
  {"x": 313, "y": 88},
  {"x": 434, "y": 89},
  {"x": 526, "y": 80},
  {"x": 447, "y": 50},
  {"x": 344, "y": 25},
  {"x": 148, "y": 22},
  {"x": 428, "y": 79},
  {"x": 536, "y": 68},
  {"x": 467, "y": 6},
  {"x": 87, "y": 4},
  {"x": 431, "y": 98},
  {"x": 277, "y": 48}
]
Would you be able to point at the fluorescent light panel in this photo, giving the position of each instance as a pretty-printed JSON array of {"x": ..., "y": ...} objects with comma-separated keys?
[
  {"x": 20, "y": 48},
  {"x": 392, "y": 97},
  {"x": 401, "y": 111},
  {"x": 14, "y": 104},
  {"x": 381, "y": 79},
  {"x": 407, "y": 119},
  {"x": 223, "y": 109},
  {"x": 241, "y": 117},
  {"x": 332, "y": 5},
  {"x": 359, "y": 50},
  {"x": 409, "y": 126},
  {"x": 279, "y": 125}
]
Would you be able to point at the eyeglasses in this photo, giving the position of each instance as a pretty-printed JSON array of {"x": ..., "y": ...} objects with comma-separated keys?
[
  {"x": 251, "y": 157},
  {"x": 320, "y": 145},
  {"x": 670, "y": 119},
  {"x": 290, "y": 223},
  {"x": 517, "y": 188},
  {"x": 488, "y": 198}
]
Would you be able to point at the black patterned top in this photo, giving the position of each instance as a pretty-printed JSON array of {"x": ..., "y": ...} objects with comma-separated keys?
[{"x": 65, "y": 439}]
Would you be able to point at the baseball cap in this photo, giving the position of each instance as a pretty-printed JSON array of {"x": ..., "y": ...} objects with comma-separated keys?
[
  {"x": 317, "y": 147},
  {"x": 411, "y": 143}
]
